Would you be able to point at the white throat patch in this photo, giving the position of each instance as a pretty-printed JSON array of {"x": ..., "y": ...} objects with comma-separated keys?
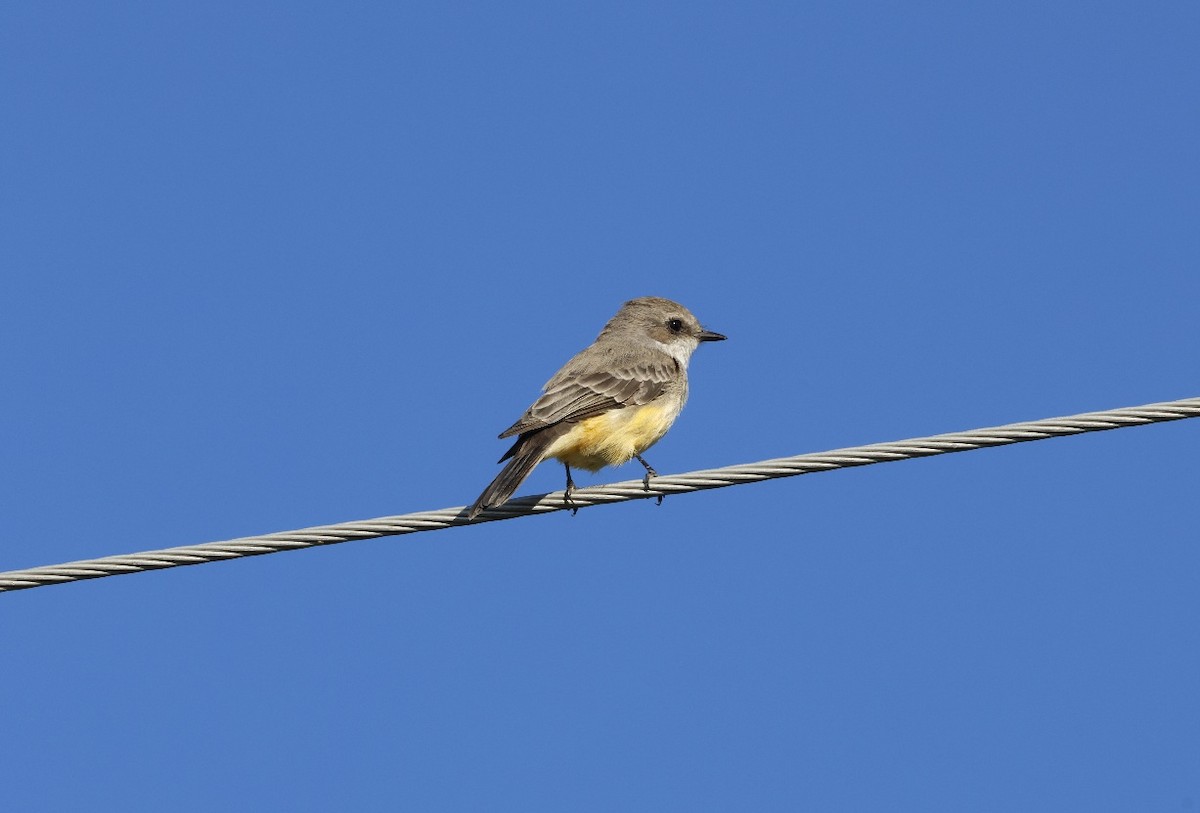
[{"x": 680, "y": 351}]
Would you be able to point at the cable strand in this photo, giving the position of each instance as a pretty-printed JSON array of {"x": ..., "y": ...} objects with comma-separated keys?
[{"x": 665, "y": 485}]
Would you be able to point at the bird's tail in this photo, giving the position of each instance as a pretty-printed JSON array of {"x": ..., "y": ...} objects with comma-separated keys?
[{"x": 526, "y": 453}]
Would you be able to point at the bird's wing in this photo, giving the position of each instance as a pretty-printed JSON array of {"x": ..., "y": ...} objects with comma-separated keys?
[{"x": 571, "y": 396}]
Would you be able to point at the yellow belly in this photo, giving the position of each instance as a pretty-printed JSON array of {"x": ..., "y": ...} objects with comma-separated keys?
[{"x": 614, "y": 437}]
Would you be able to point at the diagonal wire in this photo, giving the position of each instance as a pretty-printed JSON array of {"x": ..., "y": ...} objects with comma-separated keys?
[{"x": 602, "y": 495}]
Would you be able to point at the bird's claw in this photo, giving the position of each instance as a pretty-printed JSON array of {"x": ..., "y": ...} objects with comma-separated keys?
[
  {"x": 568, "y": 503},
  {"x": 646, "y": 484},
  {"x": 650, "y": 472}
]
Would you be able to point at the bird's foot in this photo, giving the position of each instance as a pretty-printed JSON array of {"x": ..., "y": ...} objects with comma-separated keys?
[
  {"x": 650, "y": 472},
  {"x": 570, "y": 489}
]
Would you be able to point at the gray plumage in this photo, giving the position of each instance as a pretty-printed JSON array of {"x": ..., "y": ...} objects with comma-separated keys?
[{"x": 640, "y": 356}]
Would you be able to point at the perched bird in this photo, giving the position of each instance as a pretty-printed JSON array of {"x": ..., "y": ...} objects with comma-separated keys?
[{"x": 611, "y": 402}]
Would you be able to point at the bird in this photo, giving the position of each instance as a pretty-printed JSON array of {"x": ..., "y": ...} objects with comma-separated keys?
[{"x": 614, "y": 400}]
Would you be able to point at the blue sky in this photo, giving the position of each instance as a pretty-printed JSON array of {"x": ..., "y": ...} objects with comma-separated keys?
[{"x": 276, "y": 265}]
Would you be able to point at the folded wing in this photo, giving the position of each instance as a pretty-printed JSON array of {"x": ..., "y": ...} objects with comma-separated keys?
[{"x": 572, "y": 397}]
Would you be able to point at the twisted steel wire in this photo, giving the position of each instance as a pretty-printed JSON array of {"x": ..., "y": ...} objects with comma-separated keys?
[{"x": 600, "y": 495}]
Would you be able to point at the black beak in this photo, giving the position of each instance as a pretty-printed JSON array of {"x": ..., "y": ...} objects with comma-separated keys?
[{"x": 709, "y": 336}]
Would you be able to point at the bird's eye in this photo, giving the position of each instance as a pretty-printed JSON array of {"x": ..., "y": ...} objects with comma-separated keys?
[{"x": 675, "y": 325}]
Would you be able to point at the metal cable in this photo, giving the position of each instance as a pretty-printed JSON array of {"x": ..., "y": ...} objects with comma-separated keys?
[{"x": 598, "y": 495}]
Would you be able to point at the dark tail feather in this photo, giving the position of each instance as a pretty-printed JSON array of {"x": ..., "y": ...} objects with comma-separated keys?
[{"x": 526, "y": 453}]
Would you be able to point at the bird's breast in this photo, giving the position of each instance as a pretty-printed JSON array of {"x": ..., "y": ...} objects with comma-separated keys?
[{"x": 616, "y": 436}]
